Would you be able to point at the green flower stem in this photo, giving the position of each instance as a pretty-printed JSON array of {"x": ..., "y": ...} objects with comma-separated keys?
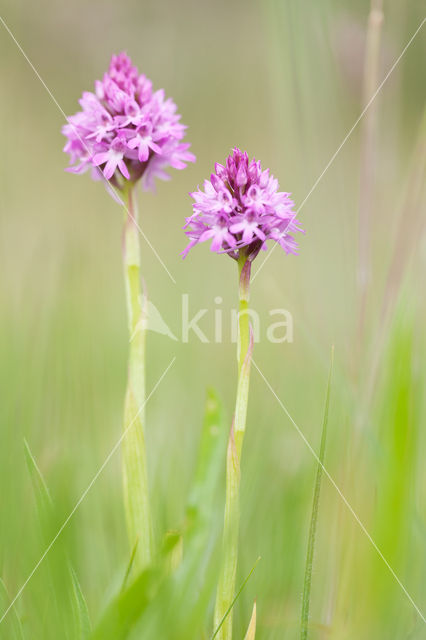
[
  {"x": 135, "y": 478},
  {"x": 243, "y": 352},
  {"x": 226, "y": 586}
]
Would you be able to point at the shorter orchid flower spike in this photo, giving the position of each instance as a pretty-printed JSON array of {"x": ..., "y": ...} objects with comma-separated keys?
[{"x": 240, "y": 209}]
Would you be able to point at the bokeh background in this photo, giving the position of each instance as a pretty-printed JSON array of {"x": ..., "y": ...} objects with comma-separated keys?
[{"x": 284, "y": 80}]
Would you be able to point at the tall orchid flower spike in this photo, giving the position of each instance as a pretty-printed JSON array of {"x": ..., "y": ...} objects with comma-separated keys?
[
  {"x": 125, "y": 130},
  {"x": 239, "y": 210},
  {"x": 125, "y": 133}
]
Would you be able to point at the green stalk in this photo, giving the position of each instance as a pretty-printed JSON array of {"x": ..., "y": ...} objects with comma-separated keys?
[
  {"x": 135, "y": 479},
  {"x": 226, "y": 586},
  {"x": 314, "y": 516}
]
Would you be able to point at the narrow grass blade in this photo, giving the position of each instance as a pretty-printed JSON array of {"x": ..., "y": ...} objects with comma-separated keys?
[
  {"x": 251, "y": 631},
  {"x": 41, "y": 492},
  {"x": 81, "y": 612},
  {"x": 228, "y": 611},
  {"x": 314, "y": 515}
]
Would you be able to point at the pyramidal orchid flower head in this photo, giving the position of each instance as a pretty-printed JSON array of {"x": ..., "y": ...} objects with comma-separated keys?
[
  {"x": 125, "y": 130},
  {"x": 240, "y": 209}
]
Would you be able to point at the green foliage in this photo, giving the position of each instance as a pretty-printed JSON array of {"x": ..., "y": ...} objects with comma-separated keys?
[
  {"x": 128, "y": 606},
  {"x": 171, "y": 597},
  {"x": 398, "y": 417}
]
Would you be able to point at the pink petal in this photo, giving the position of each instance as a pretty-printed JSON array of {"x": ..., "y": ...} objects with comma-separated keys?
[
  {"x": 123, "y": 169},
  {"x": 110, "y": 167},
  {"x": 100, "y": 158}
]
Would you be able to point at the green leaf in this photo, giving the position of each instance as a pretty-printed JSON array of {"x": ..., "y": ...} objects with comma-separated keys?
[
  {"x": 314, "y": 516},
  {"x": 173, "y": 550},
  {"x": 81, "y": 612},
  {"x": 127, "y": 608},
  {"x": 209, "y": 461}
]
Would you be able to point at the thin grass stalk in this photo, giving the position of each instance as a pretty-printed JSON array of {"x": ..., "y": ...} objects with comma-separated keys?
[
  {"x": 226, "y": 586},
  {"x": 368, "y": 160},
  {"x": 314, "y": 516},
  {"x": 135, "y": 477}
]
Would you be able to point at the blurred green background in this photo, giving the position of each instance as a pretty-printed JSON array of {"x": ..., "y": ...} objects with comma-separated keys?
[{"x": 283, "y": 80}]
